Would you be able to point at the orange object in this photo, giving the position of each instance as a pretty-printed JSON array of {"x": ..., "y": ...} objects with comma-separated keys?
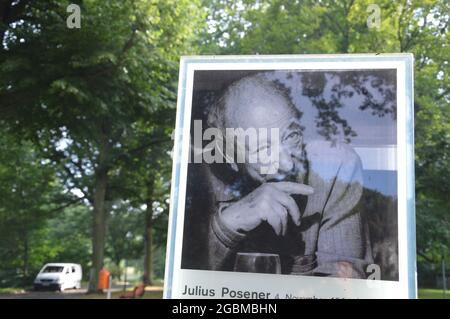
[{"x": 103, "y": 279}]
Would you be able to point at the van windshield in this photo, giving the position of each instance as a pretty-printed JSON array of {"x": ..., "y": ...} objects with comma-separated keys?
[{"x": 53, "y": 269}]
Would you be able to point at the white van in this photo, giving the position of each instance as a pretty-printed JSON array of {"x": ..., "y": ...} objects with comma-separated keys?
[{"x": 59, "y": 276}]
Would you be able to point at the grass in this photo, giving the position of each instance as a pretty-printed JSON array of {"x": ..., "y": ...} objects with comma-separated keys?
[
  {"x": 151, "y": 292},
  {"x": 116, "y": 295},
  {"x": 433, "y": 294},
  {"x": 11, "y": 290}
]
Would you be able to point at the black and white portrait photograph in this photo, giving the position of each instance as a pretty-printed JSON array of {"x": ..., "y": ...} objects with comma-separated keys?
[{"x": 320, "y": 203}]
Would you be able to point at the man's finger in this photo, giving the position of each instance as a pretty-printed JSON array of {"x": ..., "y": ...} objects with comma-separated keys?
[
  {"x": 280, "y": 212},
  {"x": 289, "y": 203},
  {"x": 284, "y": 221},
  {"x": 274, "y": 221},
  {"x": 293, "y": 188}
]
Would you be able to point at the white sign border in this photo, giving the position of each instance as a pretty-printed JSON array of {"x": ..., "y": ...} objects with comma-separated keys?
[{"x": 406, "y": 287}]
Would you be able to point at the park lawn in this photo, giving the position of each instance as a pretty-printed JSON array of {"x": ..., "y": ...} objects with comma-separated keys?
[
  {"x": 433, "y": 294},
  {"x": 151, "y": 292},
  {"x": 11, "y": 290},
  {"x": 116, "y": 295}
]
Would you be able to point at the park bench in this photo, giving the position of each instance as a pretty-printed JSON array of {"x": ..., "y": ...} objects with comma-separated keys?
[{"x": 137, "y": 292}]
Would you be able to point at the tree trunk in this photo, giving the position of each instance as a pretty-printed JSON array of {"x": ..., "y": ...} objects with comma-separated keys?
[
  {"x": 345, "y": 40},
  {"x": 98, "y": 230},
  {"x": 148, "y": 254},
  {"x": 25, "y": 254},
  {"x": 148, "y": 257},
  {"x": 345, "y": 43},
  {"x": 99, "y": 212}
]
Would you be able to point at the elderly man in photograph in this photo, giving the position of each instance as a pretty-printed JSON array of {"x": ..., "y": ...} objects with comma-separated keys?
[{"x": 306, "y": 211}]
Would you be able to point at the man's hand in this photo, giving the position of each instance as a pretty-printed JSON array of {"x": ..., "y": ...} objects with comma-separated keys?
[{"x": 270, "y": 202}]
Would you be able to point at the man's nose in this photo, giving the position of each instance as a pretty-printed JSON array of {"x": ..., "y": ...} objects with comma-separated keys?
[{"x": 286, "y": 162}]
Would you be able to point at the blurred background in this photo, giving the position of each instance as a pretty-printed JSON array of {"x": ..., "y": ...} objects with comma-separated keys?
[{"x": 87, "y": 108}]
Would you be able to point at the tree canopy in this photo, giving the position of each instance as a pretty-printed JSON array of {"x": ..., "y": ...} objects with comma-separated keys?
[{"x": 87, "y": 113}]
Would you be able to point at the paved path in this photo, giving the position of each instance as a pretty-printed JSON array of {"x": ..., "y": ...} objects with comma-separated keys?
[
  {"x": 68, "y": 294},
  {"x": 72, "y": 294}
]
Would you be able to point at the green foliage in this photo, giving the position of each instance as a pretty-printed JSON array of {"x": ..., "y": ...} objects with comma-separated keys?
[
  {"x": 30, "y": 194},
  {"x": 68, "y": 235},
  {"x": 125, "y": 233},
  {"x": 96, "y": 102},
  {"x": 160, "y": 262},
  {"x": 420, "y": 27}
]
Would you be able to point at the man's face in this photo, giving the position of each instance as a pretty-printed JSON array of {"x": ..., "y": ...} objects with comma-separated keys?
[{"x": 267, "y": 110}]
